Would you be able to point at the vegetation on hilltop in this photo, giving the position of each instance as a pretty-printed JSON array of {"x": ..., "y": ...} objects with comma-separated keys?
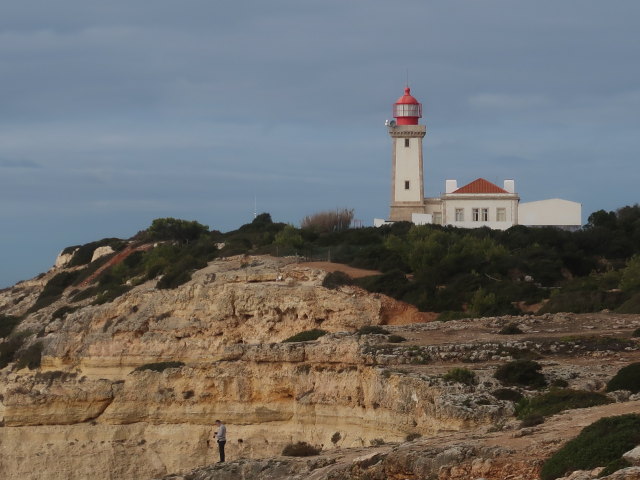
[{"x": 459, "y": 272}]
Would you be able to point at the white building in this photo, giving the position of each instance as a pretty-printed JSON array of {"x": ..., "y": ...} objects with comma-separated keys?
[{"x": 477, "y": 204}]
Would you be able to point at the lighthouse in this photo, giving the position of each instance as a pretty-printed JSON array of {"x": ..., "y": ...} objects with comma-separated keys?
[{"x": 407, "y": 178}]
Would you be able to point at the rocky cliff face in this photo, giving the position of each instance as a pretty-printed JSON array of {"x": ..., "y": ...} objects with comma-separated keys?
[{"x": 97, "y": 408}]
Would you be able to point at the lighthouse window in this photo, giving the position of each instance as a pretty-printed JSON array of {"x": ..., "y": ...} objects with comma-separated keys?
[
  {"x": 406, "y": 142},
  {"x": 459, "y": 214},
  {"x": 485, "y": 214},
  {"x": 475, "y": 214},
  {"x": 406, "y": 184},
  {"x": 501, "y": 214}
]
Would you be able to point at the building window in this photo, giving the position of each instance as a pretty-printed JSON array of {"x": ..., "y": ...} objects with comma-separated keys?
[
  {"x": 406, "y": 184},
  {"x": 475, "y": 214},
  {"x": 484, "y": 214},
  {"x": 437, "y": 218},
  {"x": 459, "y": 214},
  {"x": 501, "y": 214},
  {"x": 406, "y": 142}
]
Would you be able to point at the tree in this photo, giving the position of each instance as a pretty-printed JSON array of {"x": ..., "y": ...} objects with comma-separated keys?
[
  {"x": 289, "y": 237},
  {"x": 183, "y": 231}
]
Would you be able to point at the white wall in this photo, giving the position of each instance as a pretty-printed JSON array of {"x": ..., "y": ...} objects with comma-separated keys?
[
  {"x": 408, "y": 168},
  {"x": 554, "y": 211},
  {"x": 490, "y": 201}
]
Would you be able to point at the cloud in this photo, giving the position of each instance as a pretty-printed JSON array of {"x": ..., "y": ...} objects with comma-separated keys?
[
  {"x": 508, "y": 101},
  {"x": 11, "y": 163}
]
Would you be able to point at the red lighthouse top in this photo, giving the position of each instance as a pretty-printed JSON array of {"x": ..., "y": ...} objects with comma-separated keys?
[{"x": 407, "y": 109}]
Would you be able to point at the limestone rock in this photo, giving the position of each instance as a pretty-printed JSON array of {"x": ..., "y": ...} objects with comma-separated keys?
[
  {"x": 633, "y": 456},
  {"x": 101, "y": 252}
]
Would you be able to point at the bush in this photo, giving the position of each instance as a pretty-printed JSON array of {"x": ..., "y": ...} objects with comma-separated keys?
[
  {"x": 630, "y": 306},
  {"x": 62, "y": 311},
  {"x": 557, "y": 400},
  {"x": 599, "y": 444},
  {"x": 329, "y": 221},
  {"x": 396, "y": 339},
  {"x": 183, "y": 231},
  {"x": 627, "y": 378},
  {"x": 531, "y": 420},
  {"x": 636, "y": 333},
  {"x": 412, "y": 436},
  {"x": 507, "y": 394},
  {"x": 525, "y": 373},
  {"x": 510, "y": 329},
  {"x": 614, "y": 466},
  {"x": 53, "y": 289},
  {"x": 336, "y": 437},
  {"x": 30, "y": 357},
  {"x": 159, "y": 366},
  {"x": 10, "y": 347},
  {"x": 336, "y": 279},
  {"x": 7, "y": 324},
  {"x": 306, "y": 336},
  {"x": 372, "y": 330},
  {"x": 461, "y": 375},
  {"x": 300, "y": 449}
]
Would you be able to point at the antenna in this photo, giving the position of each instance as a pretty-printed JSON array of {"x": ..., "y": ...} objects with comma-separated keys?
[
  {"x": 407, "y": 77},
  {"x": 255, "y": 207}
]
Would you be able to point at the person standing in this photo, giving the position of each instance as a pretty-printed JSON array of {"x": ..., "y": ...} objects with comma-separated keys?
[{"x": 221, "y": 438}]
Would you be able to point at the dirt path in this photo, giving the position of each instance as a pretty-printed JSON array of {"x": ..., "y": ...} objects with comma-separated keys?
[{"x": 339, "y": 267}]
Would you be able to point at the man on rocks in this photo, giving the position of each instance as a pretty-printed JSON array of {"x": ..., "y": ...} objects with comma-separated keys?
[{"x": 221, "y": 438}]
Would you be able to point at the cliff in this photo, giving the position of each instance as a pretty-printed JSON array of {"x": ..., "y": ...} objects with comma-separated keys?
[{"x": 102, "y": 403}]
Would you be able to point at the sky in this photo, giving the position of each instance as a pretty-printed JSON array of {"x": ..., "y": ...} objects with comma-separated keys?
[{"x": 115, "y": 113}]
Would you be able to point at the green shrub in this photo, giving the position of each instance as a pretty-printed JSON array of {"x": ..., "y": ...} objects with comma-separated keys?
[
  {"x": 372, "y": 330},
  {"x": 306, "y": 336},
  {"x": 627, "y": 378},
  {"x": 53, "y": 289},
  {"x": 525, "y": 373},
  {"x": 557, "y": 400},
  {"x": 159, "y": 366},
  {"x": 597, "y": 445},
  {"x": 614, "y": 466},
  {"x": 30, "y": 357},
  {"x": 336, "y": 279},
  {"x": 636, "y": 333},
  {"x": 510, "y": 329},
  {"x": 632, "y": 305},
  {"x": 336, "y": 437},
  {"x": 531, "y": 420},
  {"x": 62, "y": 311},
  {"x": 461, "y": 375},
  {"x": 10, "y": 347},
  {"x": 396, "y": 339},
  {"x": 7, "y": 324},
  {"x": 300, "y": 449},
  {"x": 412, "y": 436},
  {"x": 559, "y": 383},
  {"x": 183, "y": 231},
  {"x": 507, "y": 394}
]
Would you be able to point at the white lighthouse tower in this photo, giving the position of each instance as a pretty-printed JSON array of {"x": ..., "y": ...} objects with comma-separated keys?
[{"x": 407, "y": 178}]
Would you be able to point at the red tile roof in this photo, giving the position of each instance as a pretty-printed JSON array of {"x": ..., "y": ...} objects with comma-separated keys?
[{"x": 480, "y": 185}]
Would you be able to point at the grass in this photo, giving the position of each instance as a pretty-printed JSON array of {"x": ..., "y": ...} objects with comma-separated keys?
[
  {"x": 306, "y": 336},
  {"x": 600, "y": 444}
]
